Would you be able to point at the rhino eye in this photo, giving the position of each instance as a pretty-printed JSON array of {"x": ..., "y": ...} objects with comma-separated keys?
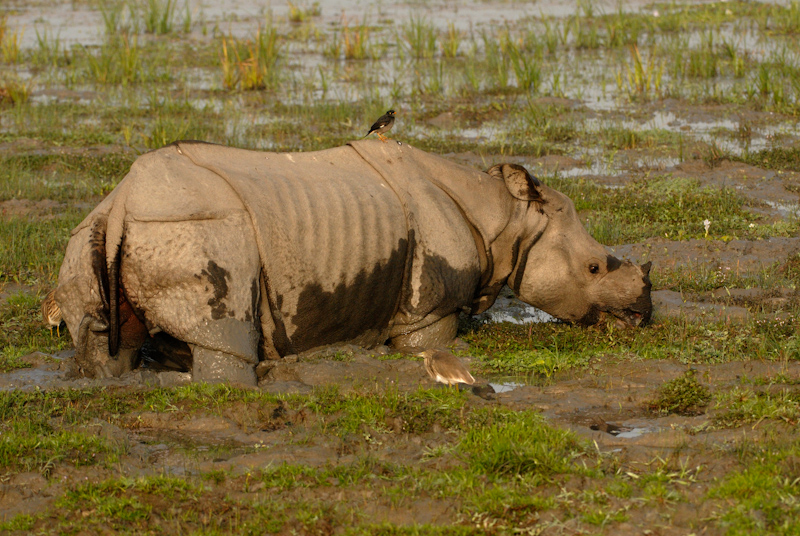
[{"x": 594, "y": 268}]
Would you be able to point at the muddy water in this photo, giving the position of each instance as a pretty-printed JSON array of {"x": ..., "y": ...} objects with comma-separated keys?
[{"x": 76, "y": 23}]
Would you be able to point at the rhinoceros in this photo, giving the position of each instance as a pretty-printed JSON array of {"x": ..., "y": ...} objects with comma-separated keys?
[{"x": 247, "y": 255}]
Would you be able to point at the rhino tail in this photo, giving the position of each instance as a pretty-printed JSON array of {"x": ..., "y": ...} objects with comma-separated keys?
[
  {"x": 107, "y": 277},
  {"x": 113, "y": 306},
  {"x": 112, "y": 257}
]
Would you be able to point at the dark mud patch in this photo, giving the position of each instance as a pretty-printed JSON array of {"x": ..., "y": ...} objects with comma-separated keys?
[
  {"x": 43, "y": 209},
  {"x": 9, "y": 289},
  {"x": 726, "y": 304},
  {"x": 35, "y": 147}
]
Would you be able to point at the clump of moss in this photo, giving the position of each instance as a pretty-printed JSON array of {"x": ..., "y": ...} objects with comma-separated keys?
[{"x": 684, "y": 395}]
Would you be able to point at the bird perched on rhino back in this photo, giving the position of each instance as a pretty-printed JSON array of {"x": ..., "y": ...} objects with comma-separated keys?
[
  {"x": 444, "y": 367},
  {"x": 51, "y": 312},
  {"x": 382, "y": 125}
]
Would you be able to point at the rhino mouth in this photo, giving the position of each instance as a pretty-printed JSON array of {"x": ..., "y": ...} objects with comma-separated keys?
[
  {"x": 631, "y": 317},
  {"x": 638, "y": 312},
  {"x": 634, "y": 318}
]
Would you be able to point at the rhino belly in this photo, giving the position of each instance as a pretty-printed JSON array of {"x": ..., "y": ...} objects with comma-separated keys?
[{"x": 336, "y": 259}]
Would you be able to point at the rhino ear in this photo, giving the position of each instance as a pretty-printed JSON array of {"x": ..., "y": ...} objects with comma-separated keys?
[
  {"x": 646, "y": 268},
  {"x": 519, "y": 182}
]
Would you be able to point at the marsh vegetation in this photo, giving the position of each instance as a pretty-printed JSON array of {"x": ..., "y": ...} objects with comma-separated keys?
[{"x": 653, "y": 118}]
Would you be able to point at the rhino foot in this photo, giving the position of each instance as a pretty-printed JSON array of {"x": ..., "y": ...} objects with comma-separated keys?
[
  {"x": 213, "y": 366},
  {"x": 438, "y": 334}
]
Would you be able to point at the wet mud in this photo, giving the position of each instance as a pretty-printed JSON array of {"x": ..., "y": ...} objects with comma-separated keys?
[{"x": 606, "y": 403}]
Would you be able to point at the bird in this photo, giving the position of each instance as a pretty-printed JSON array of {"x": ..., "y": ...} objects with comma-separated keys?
[
  {"x": 383, "y": 124},
  {"x": 51, "y": 312},
  {"x": 446, "y": 368}
]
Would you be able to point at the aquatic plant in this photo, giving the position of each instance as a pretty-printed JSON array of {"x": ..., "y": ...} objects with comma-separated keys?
[
  {"x": 419, "y": 37},
  {"x": 355, "y": 41},
  {"x": 9, "y": 42},
  {"x": 304, "y": 13},
  {"x": 251, "y": 64},
  {"x": 641, "y": 80},
  {"x": 451, "y": 41}
]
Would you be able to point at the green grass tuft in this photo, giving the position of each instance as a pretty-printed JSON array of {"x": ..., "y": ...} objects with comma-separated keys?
[
  {"x": 684, "y": 395},
  {"x": 520, "y": 445}
]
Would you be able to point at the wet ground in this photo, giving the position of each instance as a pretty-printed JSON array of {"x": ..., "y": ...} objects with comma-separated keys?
[
  {"x": 295, "y": 443},
  {"x": 607, "y": 404}
]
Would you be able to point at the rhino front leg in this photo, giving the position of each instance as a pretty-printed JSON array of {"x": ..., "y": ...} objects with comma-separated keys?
[
  {"x": 213, "y": 366},
  {"x": 440, "y": 333}
]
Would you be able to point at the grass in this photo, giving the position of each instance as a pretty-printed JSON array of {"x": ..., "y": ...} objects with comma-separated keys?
[
  {"x": 9, "y": 42},
  {"x": 743, "y": 406},
  {"x": 13, "y": 92},
  {"x": 542, "y": 350},
  {"x": 684, "y": 395},
  {"x": 355, "y": 41},
  {"x": 159, "y": 16},
  {"x": 31, "y": 250},
  {"x": 61, "y": 177},
  {"x": 780, "y": 158},
  {"x": 496, "y": 442},
  {"x": 305, "y": 13},
  {"x": 641, "y": 79},
  {"x": 32, "y": 442},
  {"x": 674, "y": 208},
  {"x": 22, "y": 331},
  {"x": 522, "y": 445},
  {"x": 420, "y": 37},
  {"x": 582, "y": 87},
  {"x": 118, "y": 62},
  {"x": 252, "y": 64},
  {"x": 765, "y": 484},
  {"x": 500, "y": 467}
]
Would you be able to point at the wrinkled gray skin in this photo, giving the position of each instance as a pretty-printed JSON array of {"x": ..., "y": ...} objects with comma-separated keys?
[{"x": 246, "y": 256}]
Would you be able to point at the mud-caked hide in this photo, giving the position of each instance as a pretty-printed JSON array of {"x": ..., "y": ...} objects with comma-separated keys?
[{"x": 248, "y": 255}]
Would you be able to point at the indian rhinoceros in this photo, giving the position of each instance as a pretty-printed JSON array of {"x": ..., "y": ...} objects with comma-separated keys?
[{"x": 247, "y": 255}]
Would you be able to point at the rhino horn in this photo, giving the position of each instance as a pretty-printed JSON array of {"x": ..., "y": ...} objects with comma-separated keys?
[
  {"x": 646, "y": 268},
  {"x": 519, "y": 182}
]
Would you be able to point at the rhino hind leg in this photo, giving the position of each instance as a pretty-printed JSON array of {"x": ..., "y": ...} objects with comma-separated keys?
[
  {"x": 440, "y": 333},
  {"x": 213, "y": 366}
]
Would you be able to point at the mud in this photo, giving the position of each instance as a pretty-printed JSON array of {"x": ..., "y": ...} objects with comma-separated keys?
[
  {"x": 605, "y": 403},
  {"x": 25, "y": 207}
]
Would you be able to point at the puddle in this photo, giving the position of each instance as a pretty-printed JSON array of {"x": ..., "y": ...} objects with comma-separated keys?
[
  {"x": 633, "y": 432},
  {"x": 505, "y": 386},
  {"x": 29, "y": 379},
  {"x": 508, "y": 308},
  {"x": 784, "y": 209}
]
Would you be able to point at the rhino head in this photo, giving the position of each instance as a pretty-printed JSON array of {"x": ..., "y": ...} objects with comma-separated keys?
[{"x": 559, "y": 268}]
